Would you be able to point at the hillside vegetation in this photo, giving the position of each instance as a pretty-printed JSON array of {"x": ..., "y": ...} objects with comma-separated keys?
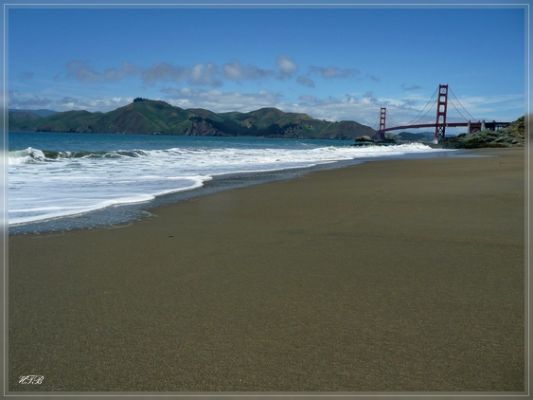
[
  {"x": 511, "y": 136},
  {"x": 159, "y": 117}
]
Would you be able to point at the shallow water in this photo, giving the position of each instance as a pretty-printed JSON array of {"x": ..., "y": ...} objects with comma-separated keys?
[{"x": 58, "y": 175}]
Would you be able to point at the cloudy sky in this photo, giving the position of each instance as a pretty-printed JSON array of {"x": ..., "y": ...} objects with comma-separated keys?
[{"x": 333, "y": 64}]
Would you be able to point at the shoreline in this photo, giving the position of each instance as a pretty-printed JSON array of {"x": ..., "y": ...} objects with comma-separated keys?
[
  {"x": 128, "y": 213},
  {"x": 404, "y": 275}
]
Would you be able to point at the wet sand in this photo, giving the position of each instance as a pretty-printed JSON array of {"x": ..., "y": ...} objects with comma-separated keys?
[{"x": 402, "y": 275}]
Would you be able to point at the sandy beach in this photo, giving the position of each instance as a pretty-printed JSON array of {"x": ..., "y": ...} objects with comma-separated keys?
[{"x": 404, "y": 275}]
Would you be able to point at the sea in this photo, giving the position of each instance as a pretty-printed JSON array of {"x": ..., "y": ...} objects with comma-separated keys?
[{"x": 64, "y": 181}]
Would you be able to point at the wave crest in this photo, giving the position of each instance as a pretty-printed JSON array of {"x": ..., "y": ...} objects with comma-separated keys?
[
  {"x": 31, "y": 155},
  {"x": 45, "y": 184}
]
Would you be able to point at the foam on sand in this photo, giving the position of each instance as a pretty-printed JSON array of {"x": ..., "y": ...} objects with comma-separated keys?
[{"x": 45, "y": 184}]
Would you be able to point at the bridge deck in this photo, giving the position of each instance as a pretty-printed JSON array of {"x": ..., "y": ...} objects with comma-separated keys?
[{"x": 489, "y": 124}]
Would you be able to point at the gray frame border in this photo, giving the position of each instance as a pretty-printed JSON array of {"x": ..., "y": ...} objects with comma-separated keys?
[{"x": 259, "y": 4}]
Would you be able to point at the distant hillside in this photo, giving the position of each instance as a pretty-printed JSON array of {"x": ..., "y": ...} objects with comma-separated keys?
[
  {"x": 159, "y": 117},
  {"x": 40, "y": 113},
  {"x": 26, "y": 119},
  {"x": 414, "y": 137}
]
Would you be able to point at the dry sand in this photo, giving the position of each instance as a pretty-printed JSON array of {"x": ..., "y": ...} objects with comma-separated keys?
[{"x": 402, "y": 275}]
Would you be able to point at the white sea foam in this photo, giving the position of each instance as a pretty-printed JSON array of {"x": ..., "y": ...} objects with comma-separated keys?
[{"x": 44, "y": 185}]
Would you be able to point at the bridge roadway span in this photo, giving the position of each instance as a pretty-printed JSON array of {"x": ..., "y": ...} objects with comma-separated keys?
[{"x": 474, "y": 126}]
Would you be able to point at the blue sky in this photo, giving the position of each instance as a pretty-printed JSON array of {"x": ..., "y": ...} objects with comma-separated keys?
[{"x": 334, "y": 63}]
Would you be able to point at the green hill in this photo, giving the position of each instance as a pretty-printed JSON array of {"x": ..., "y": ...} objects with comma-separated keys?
[{"x": 152, "y": 116}]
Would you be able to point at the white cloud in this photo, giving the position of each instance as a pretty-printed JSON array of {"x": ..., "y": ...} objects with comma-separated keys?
[
  {"x": 199, "y": 74},
  {"x": 410, "y": 88},
  {"x": 221, "y": 101},
  {"x": 236, "y": 71},
  {"x": 22, "y": 100},
  {"x": 363, "y": 108},
  {"x": 103, "y": 104},
  {"x": 163, "y": 72},
  {"x": 209, "y": 74},
  {"x": 305, "y": 81},
  {"x": 17, "y": 99},
  {"x": 204, "y": 74},
  {"x": 331, "y": 72},
  {"x": 286, "y": 67},
  {"x": 84, "y": 72}
]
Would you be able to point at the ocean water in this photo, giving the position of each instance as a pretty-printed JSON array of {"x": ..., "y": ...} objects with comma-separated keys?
[{"x": 56, "y": 175}]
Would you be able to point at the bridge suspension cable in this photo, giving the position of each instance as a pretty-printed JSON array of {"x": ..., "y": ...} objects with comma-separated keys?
[
  {"x": 456, "y": 108},
  {"x": 428, "y": 107},
  {"x": 462, "y": 106},
  {"x": 391, "y": 121}
]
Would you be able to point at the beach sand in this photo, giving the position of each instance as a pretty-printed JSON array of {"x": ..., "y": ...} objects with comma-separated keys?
[{"x": 404, "y": 275}]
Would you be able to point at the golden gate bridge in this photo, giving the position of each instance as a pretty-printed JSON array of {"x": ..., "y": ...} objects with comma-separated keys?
[{"x": 440, "y": 123}]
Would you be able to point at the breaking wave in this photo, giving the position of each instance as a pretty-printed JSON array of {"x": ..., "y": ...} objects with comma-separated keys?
[{"x": 46, "y": 184}]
